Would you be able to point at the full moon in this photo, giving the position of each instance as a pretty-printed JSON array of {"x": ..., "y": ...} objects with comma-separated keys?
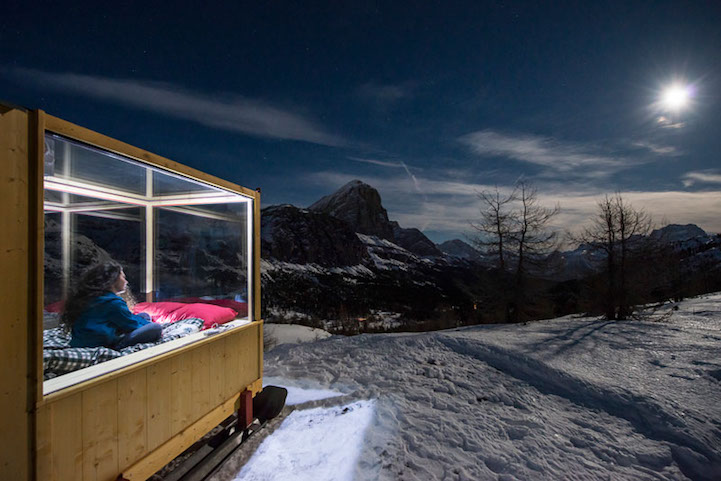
[{"x": 675, "y": 97}]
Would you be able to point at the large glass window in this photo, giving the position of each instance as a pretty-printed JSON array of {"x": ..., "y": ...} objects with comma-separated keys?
[
  {"x": 177, "y": 239},
  {"x": 199, "y": 252}
]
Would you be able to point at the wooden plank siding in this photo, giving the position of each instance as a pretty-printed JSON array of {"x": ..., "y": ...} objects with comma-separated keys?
[
  {"x": 132, "y": 402},
  {"x": 159, "y": 398},
  {"x": 200, "y": 382},
  {"x": 16, "y": 343},
  {"x": 99, "y": 432}
]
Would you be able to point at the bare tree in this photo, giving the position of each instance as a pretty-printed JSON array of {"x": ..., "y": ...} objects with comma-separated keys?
[
  {"x": 513, "y": 229},
  {"x": 601, "y": 235},
  {"x": 493, "y": 239},
  {"x": 633, "y": 226},
  {"x": 495, "y": 224},
  {"x": 618, "y": 230},
  {"x": 532, "y": 239}
]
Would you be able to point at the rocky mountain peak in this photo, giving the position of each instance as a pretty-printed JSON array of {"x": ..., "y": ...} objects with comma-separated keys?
[
  {"x": 415, "y": 241},
  {"x": 358, "y": 204},
  {"x": 460, "y": 249},
  {"x": 678, "y": 233},
  {"x": 290, "y": 234}
]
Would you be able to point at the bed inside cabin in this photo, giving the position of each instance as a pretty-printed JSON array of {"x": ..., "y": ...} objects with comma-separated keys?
[{"x": 185, "y": 247}]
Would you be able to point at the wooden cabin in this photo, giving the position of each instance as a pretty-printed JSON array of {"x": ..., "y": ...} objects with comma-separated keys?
[{"x": 70, "y": 196}]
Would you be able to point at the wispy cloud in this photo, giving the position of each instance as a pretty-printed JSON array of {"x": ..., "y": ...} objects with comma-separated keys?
[
  {"x": 231, "y": 112},
  {"x": 399, "y": 164},
  {"x": 664, "y": 150},
  {"x": 666, "y": 123},
  {"x": 700, "y": 208},
  {"x": 400, "y": 184},
  {"x": 384, "y": 163},
  {"x": 703, "y": 177},
  {"x": 582, "y": 160}
]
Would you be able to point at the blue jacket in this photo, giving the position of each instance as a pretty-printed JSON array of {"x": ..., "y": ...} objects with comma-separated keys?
[{"x": 102, "y": 322}]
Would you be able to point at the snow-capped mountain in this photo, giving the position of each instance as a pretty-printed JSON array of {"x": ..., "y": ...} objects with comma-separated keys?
[
  {"x": 693, "y": 246},
  {"x": 691, "y": 242},
  {"x": 673, "y": 233},
  {"x": 359, "y": 205},
  {"x": 302, "y": 236},
  {"x": 460, "y": 249},
  {"x": 344, "y": 254}
]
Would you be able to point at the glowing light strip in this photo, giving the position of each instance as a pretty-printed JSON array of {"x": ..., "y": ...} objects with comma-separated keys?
[
  {"x": 249, "y": 252},
  {"x": 110, "y": 214},
  {"x": 149, "y": 239},
  {"x": 66, "y": 228},
  {"x": 180, "y": 201},
  {"x": 193, "y": 195},
  {"x": 205, "y": 214},
  {"x": 87, "y": 192},
  {"x": 171, "y": 200},
  {"x": 60, "y": 183},
  {"x": 83, "y": 207}
]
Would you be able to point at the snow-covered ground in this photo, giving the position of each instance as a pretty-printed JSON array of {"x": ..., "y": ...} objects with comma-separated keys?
[
  {"x": 293, "y": 333},
  {"x": 569, "y": 398}
]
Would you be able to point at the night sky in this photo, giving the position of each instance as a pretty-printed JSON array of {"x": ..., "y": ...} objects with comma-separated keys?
[{"x": 429, "y": 102}]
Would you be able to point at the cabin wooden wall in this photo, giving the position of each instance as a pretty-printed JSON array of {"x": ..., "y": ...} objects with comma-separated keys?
[
  {"x": 134, "y": 420},
  {"x": 16, "y": 295},
  {"x": 96, "y": 431}
]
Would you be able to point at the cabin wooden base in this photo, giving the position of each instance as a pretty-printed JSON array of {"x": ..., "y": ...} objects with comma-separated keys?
[
  {"x": 136, "y": 421},
  {"x": 145, "y": 468}
]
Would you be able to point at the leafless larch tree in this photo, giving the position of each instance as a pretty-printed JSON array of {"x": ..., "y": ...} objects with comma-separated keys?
[
  {"x": 513, "y": 230},
  {"x": 621, "y": 232}
]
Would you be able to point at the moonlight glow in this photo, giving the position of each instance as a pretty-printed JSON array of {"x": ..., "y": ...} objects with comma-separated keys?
[{"x": 675, "y": 97}]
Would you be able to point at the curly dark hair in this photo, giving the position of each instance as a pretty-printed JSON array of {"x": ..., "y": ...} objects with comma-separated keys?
[{"x": 95, "y": 282}]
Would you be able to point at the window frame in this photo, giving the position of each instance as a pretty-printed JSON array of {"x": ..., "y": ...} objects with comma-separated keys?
[{"x": 48, "y": 124}]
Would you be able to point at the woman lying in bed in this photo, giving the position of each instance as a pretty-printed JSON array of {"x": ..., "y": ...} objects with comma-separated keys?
[{"x": 96, "y": 315}]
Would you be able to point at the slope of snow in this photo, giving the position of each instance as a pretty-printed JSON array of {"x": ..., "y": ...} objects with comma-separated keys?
[
  {"x": 301, "y": 391},
  {"x": 268, "y": 266},
  {"x": 293, "y": 333},
  {"x": 569, "y": 398},
  {"x": 294, "y": 449},
  {"x": 387, "y": 256}
]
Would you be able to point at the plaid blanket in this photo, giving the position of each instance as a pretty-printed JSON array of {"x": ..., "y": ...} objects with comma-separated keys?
[{"x": 59, "y": 358}]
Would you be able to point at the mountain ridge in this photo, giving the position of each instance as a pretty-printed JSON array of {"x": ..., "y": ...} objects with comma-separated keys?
[{"x": 360, "y": 205}]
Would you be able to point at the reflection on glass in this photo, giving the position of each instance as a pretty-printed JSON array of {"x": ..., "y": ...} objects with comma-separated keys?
[
  {"x": 202, "y": 252},
  {"x": 75, "y": 241},
  {"x": 75, "y": 161}
]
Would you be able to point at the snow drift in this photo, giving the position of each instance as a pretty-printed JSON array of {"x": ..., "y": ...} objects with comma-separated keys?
[{"x": 569, "y": 398}]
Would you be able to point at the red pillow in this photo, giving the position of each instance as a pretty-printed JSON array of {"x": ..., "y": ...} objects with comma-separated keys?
[
  {"x": 209, "y": 313},
  {"x": 164, "y": 312},
  {"x": 240, "y": 307},
  {"x": 159, "y": 311}
]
